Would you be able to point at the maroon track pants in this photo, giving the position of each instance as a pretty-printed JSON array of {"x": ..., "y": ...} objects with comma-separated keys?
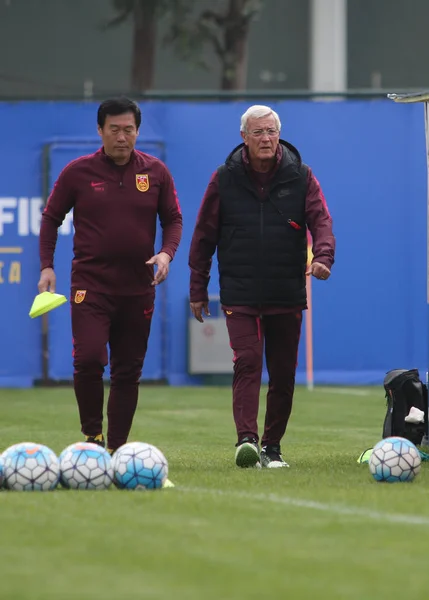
[
  {"x": 248, "y": 334},
  {"x": 124, "y": 323}
]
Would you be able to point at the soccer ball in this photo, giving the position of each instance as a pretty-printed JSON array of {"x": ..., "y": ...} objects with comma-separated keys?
[
  {"x": 1, "y": 472},
  {"x": 139, "y": 466},
  {"x": 30, "y": 467},
  {"x": 395, "y": 459},
  {"x": 85, "y": 466}
]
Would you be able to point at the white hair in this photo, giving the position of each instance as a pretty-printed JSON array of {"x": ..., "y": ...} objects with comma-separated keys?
[{"x": 258, "y": 111}]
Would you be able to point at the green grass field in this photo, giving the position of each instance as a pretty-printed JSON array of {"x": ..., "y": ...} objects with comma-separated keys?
[{"x": 321, "y": 529}]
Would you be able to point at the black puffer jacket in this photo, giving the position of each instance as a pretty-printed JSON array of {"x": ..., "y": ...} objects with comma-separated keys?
[{"x": 262, "y": 248}]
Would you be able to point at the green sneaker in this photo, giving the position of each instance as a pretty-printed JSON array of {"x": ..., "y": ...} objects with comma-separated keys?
[{"x": 247, "y": 453}]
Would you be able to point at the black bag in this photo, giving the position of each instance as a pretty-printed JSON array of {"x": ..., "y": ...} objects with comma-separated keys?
[{"x": 404, "y": 389}]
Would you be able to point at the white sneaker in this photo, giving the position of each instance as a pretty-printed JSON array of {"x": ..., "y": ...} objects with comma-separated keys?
[{"x": 271, "y": 457}]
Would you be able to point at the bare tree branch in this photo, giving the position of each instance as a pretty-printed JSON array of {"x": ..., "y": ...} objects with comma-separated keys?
[
  {"x": 210, "y": 15},
  {"x": 217, "y": 46},
  {"x": 226, "y": 32}
]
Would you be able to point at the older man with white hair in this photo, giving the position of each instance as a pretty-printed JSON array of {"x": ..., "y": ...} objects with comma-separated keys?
[{"x": 255, "y": 212}]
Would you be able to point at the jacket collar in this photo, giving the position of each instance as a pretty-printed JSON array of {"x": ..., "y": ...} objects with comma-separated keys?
[{"x": 101, "y": 152}]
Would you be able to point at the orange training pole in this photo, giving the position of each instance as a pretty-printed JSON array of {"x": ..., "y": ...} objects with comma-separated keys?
[{"x": 309, "y": 324}]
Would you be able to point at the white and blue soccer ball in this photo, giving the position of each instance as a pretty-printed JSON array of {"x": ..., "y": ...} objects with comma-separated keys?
[
  {"x": 30, "y": 467},
  {"x": 1, "y": 472},
  {"x": 85, "y": 466},
  {"x": 395, "y": 459},
  {"x": 139, "y": 466}
]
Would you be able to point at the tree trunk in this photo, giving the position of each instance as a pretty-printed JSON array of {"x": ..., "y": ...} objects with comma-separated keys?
[
  {"x": 234, "y": 60},
  {"x": 144, "y": 43}
]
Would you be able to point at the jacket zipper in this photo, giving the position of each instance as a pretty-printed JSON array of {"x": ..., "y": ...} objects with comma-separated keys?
[
  {"x": 261, "y": 253},
  {"x": 290, "y": 222}
]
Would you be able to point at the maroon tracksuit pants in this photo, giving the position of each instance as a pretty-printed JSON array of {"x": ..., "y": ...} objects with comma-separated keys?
[
  {"x": 248, "y": 334},
  {"x": 124, "y": 323}
]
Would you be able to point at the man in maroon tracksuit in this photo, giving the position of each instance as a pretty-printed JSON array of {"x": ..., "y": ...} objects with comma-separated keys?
[
  {"x": 256, "y": 211},
  {"x": 116, "y": 195}
]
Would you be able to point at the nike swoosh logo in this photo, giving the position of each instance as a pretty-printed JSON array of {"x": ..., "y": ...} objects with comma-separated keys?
[{"x": 97, "y": 183}]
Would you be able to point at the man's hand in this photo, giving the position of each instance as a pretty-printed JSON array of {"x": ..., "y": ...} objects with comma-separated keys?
[
  {"x": 197, "y": 309},
  {"x": 318, "y": 271},
  {"x": 162, "y": 260},
  {"x": 47, "y": 281}
]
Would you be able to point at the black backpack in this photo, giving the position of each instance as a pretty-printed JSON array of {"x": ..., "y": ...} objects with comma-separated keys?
[{"x": 404, "y": 389}]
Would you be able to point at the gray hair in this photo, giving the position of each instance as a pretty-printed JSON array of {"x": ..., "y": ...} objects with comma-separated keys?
[{"x": 258, "y": 111}]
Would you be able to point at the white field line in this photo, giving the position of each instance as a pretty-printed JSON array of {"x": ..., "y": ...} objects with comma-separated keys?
[
  {"x": 346, "y": 391},
  {"x": 334, "y": 509}
]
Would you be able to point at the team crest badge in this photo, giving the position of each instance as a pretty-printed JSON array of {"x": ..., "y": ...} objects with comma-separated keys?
[
  {"x": 142, "y": 183},
  {"x": 79, "y": 296}
]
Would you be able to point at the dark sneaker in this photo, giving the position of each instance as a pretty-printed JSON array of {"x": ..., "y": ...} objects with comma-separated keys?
[
  {"x": 271, "y": 457},
  {"x": 96, "y": 439},
  {"x": 247, "y": 453}
]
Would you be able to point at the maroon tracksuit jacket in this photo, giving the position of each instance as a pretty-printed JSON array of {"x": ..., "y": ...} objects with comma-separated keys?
[
  {"x": 115, "y": 221},
  {"x": 204, "y": 240}
]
